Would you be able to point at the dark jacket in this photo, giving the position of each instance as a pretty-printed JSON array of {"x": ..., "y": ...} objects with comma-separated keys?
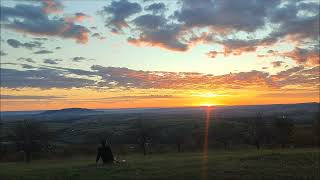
[{"x": 105, "y": 153}]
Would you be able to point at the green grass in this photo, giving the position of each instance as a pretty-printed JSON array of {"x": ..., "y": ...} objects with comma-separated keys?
[{"x": 249, "y": 164}]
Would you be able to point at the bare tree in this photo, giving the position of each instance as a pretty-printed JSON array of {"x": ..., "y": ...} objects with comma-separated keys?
[
  {"x": 257, "y": 131},
  {"x": 145, "y": 134},
  {"x": 284, "y": 130},
  {"x": 316, "y": 129},
  {"x": 179, "y": 136},
  {"x": 225, "y": 133},
  {"x": 31, "y": 136},
  {"x": 1, "y": 148},
  {"x": 197, "y": 133}
]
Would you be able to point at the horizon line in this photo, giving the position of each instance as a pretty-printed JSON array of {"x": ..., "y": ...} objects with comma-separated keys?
[{"x": 168, "y": 107}]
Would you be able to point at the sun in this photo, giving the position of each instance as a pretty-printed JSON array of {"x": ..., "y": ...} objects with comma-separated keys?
[{"x": 207, "y": 105}]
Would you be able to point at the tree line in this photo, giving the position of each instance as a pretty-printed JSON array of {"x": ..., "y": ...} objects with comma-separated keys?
[{"x": 32, "y": 137}]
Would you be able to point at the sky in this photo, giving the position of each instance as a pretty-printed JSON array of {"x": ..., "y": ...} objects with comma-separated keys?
[{"x": 157, "y": 53}]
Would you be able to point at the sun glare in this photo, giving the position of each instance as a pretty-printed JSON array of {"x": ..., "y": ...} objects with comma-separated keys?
[
  {"x": 208, "y": 105},
  {"x": 206, "y": 94}
]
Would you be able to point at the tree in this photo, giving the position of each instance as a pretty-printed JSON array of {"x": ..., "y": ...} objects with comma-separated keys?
[
  {"x": 316, "y": 129},
  {"x": 1, "y": 148},
  {"x": 145, "y": 134},
  {"x": 257, "y": 131},
  {"x": 284, "y": 129},
  {"x": 197, "y": 135},
  {"x": 179, "y": 136},
  {"x": 31, "y": 137},
  {"x": 225, "y": 133}
]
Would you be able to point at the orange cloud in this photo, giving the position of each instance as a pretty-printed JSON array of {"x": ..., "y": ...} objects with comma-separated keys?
[
  {"x": 52, "y": 6},
  {"x": 145, "y": 41},
  {"x": 303, "y": 56},
  {"x": 77, "y": 17},
  {"x": 83, "y": 37}
]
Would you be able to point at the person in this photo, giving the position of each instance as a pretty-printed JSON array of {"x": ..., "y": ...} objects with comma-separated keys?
[{"x": 104, "y": 152}]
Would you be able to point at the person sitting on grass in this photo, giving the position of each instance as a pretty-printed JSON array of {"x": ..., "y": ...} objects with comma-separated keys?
[{"x": 104, "y": 152}]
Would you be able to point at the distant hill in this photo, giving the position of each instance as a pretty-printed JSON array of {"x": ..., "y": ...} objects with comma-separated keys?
[
  {"x": 298, "y": 112},
  {"x": 69, "y": 111}
]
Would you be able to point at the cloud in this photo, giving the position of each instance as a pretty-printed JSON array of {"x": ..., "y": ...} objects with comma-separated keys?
[
  {"x": 26, "y": 59},
  {"x": 304, "y": 56},
  {"x": 100, "y": 77},
  {"x": 41, "y": 39},
  {"x": 225, "y": 14},
  {"x": 168, "y": 80},
  {"x": 117, "y": 12},
  {"x": 24, "y": 66},
  {"x": 43, "y": 52},
  {"x": 286, "y": 94},
  {"x": 52, "y": 6},
  {"x": 36, "y": 20},
  {"x": 288, "y": 72},
  {"x": 43, "y": 78},
  {"x": 156, "y": 8},
  {"x": 78, "y": 59},
  {"x": 30, "y": 45},
  {"x": 156, "y": 31},
  {"x": 77, "y": 17},
  {"x": 51, "y": 61},
  {"x": 276, "y": 64},
  {"x": 140, "y": 97},
  {"x": 78, "y": 72},
  {"x": 212, "y": 54},
  {"x": 292, "y": 23},
  {"x": 27, "y": 66},
  {"x": 2, "y": 53},
  {"x": 23, "y": 11},
  {"x": 237, "y": 47},
  {"x": 98, "y": 36},
  {"x": 299, "y": 77},
  {"x": 237, "y": 26},
  {"x": 13, "y": 97},
  {"x": 14, "y": 43},
  {"x": 149, "y": 21},
  {"x": 124, "y": 77}
]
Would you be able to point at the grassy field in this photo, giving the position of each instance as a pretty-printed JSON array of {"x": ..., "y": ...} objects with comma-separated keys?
[{"x": 264, "y": 164}]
